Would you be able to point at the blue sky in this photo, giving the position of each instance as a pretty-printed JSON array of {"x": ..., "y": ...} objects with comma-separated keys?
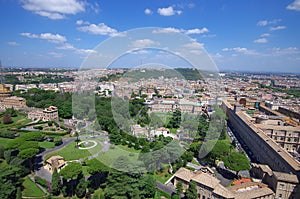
[{"x": 256, "y": 35}]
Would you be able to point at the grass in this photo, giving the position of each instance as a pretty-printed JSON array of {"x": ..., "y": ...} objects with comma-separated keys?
[
  {"x": 99, "y": 194},
  {"x": 3, "y": 141},
  {"x": 46, "y": 145},
  {"x": 195, "y": 162},
  {"x": 20, "y": 120},
  {"x": 31, "y": 189},
  {"x": 162, "y": 176},
  {"x": 108, "y": 158},
  {"x": 159, "y": 194},
  {"x": 70, "y": 152}
]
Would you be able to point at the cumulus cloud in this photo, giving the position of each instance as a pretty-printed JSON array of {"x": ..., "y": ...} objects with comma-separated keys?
[
  {"x": 194, "y": 45},
  {"x": 53, "y": 38},
  {"x": 175, "y": 30},
  {"x": 265, "y": 35},
  {"x": 169, "y": 11},
  {"x": 294, "y": 6},
  {"x": 261, "y": 40},
  {"x": 277, "y": 28},
  {"x": 147, "y": 11},
  {"x": 143, "y": 43},
  {"x": 54, "y": 9},
  {"x": 196, "y": 31},
  {"x": 100, "y": 29},
  {"x": 13, "y": 43}
]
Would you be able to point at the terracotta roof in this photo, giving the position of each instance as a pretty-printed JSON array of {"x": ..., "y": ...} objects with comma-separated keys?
[
  {"x": 206, "y": 180},
  {"x": 241, "y": 181}
]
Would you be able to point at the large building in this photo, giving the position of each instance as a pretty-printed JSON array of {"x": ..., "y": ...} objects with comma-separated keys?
[
  {"x": 263, "y": 148},
  {"x": 13, "y": 102},
  {"x": 48, "y": 114},
  {"x": 4, "y": 91},
  {"x": 209, "y": 187}
]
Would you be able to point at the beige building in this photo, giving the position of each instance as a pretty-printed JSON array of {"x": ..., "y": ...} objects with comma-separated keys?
[
  {"x": 13, "y": 102},
  {"x": 285, "y": 185},
  {"x": 209, "y": 187},
  {"x": 57, "y": 162},
  {"x": 48, "y": 114}
]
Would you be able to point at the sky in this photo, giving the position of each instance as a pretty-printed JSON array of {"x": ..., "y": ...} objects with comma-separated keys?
[{"x": 238, "y": 35}]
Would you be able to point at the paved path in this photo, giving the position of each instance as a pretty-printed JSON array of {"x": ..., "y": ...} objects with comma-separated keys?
[
  {"x": 39, "y": 160},
  {"x": 194, "y": 166},
  {"x": 168, "y": 189}
]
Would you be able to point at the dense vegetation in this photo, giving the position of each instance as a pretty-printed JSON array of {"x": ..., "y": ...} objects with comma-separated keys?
[
  {"x": 43, "y": 99},
  {"x": 40, "y": 79}
]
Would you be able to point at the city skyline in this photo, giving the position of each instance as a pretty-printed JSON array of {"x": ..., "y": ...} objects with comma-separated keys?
[{"x": 238, "y": 36}]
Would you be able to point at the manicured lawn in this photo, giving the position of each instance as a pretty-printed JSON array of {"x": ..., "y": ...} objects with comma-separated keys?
[
  {"x": 3, "y": 141},
  {"x": 70, "y": 152},
  {"x": 46, "y": 145},
  {"x": 31, "y": 189},
  {"x": 108, "y": 158},
  {"x": 162, "y": 176},
  {"x": 17, "y": 121}
]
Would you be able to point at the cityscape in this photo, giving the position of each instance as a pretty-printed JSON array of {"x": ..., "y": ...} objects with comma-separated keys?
[{"x": 163, "y": 100}]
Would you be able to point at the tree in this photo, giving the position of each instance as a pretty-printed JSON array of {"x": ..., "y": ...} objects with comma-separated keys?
[
  {"x": 80, "y": 189},
  {"x": 77, "y": 138},
  {"x": 55, "y": 183},
  {"x": 71, "y": 171},
  {"x": 28, "y": 153},
  {"x": 191, "y": 192},
  {"x": 179, "y": 188},
  {"x": 19, "y": 193},
  {"x": 7, "y": 119},
  {"x": 237, "y": 162}
]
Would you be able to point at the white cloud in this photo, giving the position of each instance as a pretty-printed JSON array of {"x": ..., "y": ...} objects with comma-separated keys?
[
  {"x": 56, "y": 55},
  {"x": 285, "y": 51},
  {"x": 266, "y": 22},
  {"x": 261, "y": 40},
  {"x": 240, "y": 50},
  {"x": 167, "y": 30},
  {"x": 294, "y": 6},
  {"x": 265, "y": 35},
  {"x": 194, "y": 45},
  {"x": 169, "y": 11},
  {"x": 13, "y": 43},
  {"x": 68, "y": 46},
  {"x": 53, "y": 38},
  {"x": 100, "y": 29},
  {"x": 147, "y": 11},
  {"x": 175, "y": 30},
  {"x": 143, "y": 43},
  {"x": 277, "y": 28},
  {"x": 54, "y": 9},
  {"x": 196, "y": 31}
]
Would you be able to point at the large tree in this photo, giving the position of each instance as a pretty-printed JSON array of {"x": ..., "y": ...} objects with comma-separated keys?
[
  {"x": 71, "y": 171},
  {"x": 191, "y": 192},
  {"x": 55, "y": 183},
  {"x": 237, "y": 162}
]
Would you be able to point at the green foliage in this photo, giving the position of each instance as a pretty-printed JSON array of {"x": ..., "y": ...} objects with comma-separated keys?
[
  {"x": 80, "y": 189},
  {"x": 9, "y": 181},
  {"x": 19, "y": 193},
  {"x": 179, "y": 188},
  {"x": 95, "y": 166},
  {"x": 55, "y": 183},
  {"x": 43, "y": 99},
  {"x": 175, "y": 120},
  {"x": 28, "y": 145},
  {"x": 191, "y": 192},
  {"x": 237, "y": 162},
  {"x": 41, "y": 181},
  {"x": 28, "y": 153},
  {"x": 71, "y": 171}
]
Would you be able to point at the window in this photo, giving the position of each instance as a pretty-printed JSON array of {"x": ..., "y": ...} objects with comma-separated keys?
[
  {"x": 279, "y": 196},
  {"x": 281, "y": 186}
]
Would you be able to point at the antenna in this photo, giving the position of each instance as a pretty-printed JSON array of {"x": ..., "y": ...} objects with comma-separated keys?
[{"x": 1, "y": 74}]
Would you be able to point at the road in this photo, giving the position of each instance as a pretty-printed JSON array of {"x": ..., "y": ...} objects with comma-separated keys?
[{"x": 39, "y": 160}]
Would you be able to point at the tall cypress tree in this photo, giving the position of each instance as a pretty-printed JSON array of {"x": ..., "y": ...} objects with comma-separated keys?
[{"x": 55, "y": 184}]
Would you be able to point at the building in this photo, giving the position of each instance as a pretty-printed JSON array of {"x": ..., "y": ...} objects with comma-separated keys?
[
  {"x": 57, "y": 162},
  {"x": 209, "y": 187},
  {"x": 285, "y": 185},
  {"x": 48, "y": 114},
  {"x": 264, "y": 149},
  {"x": 4, "y": 91},
  {"x": 13, "y": 102}
]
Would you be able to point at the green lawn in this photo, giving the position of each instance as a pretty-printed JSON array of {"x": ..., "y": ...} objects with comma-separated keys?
[
  {"x": 162, "y": 176},
  {"x": 17, "y": 121},
  {"x": 70, "y": 152},
  {"x": 31, "y": 189},
  {"x": 3, "y": 141},
  {"x": 46, "y": 145}
]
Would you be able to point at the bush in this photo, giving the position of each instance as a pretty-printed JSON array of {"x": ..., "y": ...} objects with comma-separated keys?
[
  {"x": 41, "y": 181},
  {"x": 38, "y": 127},
  {"x": 52, "y": 129}
]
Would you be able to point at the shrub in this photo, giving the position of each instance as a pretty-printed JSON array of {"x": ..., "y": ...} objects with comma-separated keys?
[{"x": 41, "y": 181}]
